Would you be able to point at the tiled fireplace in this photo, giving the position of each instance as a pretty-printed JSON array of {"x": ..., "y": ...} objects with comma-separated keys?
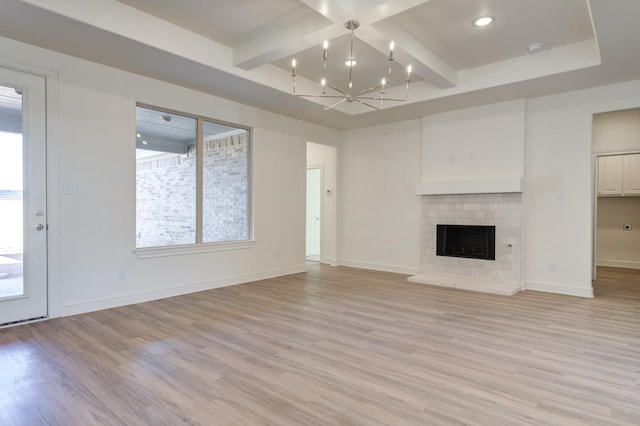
[{"x": 502, "y": 210}]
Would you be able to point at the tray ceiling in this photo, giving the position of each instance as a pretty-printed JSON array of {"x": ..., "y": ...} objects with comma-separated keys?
[{"x": 242, "y": 49}]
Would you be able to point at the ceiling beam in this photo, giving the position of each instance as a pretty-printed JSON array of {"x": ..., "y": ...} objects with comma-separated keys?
[
  {"x": 338, "y": 11},
  {"x": 410, "y": 50},
  {"x": 275, "y": 41}
]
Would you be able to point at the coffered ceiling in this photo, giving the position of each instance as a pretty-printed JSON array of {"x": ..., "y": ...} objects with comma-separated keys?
[{"x": 242, "y": 49}]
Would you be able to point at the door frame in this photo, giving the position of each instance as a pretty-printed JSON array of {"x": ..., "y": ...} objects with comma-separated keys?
[
  {"x": 53, "y": 182},
  {"x": 320, "y": 167}
]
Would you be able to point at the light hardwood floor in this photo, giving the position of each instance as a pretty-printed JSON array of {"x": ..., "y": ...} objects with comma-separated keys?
[{"x": 334, "y": 346}]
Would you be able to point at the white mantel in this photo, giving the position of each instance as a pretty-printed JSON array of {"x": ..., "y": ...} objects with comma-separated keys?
[{"x": 470, "y": 186}]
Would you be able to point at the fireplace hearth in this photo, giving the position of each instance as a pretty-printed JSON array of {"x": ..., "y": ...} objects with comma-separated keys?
[{"x": 468, "y": 241}]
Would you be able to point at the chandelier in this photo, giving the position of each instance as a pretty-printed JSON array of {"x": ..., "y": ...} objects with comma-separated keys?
[{"x": 365, "y": 97}]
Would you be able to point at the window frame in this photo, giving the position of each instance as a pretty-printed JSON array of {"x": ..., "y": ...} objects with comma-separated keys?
[{"x": 199, "y": 246}]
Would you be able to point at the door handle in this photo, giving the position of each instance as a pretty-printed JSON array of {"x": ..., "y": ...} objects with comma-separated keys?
[{"x": 40, "y": 227}]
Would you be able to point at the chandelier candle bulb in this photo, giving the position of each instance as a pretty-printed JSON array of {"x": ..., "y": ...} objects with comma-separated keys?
[
  {"x": 406, "y": 91},
  {"x": 293, "y": 74}
]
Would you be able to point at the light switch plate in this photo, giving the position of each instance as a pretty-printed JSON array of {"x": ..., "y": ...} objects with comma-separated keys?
[{"x": 69, "y": 188}]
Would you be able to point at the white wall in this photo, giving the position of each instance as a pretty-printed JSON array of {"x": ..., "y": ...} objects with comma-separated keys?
[
  {"x": 96, "y": 150},
  {"x": 616, "y": 131},
  {"x": 326, "y": 157},
  {"x": 379, "y": 221},
  {"x": 484, "y": 142},
  {"x": 559, "y": 186}
]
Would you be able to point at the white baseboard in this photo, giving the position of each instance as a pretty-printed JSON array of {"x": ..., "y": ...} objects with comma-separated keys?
[
  {"x": 559, "y": 289},
  {"x": 618, "y": 263},
  {"x": 329, "y": 261},
  {"x": 379, "y": 267},
  {"x": 129, "y": 299}
]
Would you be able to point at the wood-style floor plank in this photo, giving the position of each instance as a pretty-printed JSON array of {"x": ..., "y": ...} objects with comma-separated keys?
[{"x": 334, "y": 346}]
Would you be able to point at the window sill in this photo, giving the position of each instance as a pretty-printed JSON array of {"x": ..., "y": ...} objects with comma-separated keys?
[{"x": 151, "y": 252}]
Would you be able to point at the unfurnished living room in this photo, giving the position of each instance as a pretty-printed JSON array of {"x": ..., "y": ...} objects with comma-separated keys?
[{"x": 320, "y": 212}]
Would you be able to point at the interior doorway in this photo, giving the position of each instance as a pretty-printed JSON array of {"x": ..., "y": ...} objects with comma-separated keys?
[
  {"x": 616, "y": 196},
  {"x": 314, "y": 212},
  {"x": 321, "y": 212}
]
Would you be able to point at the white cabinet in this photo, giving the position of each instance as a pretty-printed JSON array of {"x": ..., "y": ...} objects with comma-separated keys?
[
  {"x": 631, "y": 174},
  {"x": 610, "y": 175},
  {"x": 619, "y": 175}
]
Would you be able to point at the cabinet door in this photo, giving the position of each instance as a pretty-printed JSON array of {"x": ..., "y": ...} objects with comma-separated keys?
[
  {"x": 631, "y": 174},
  {"x": 610, "y": 175}
]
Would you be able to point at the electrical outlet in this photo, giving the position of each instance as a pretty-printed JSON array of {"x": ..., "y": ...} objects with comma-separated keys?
[
  {"x": 277, "y": 255},
  {"x": 389, "y": 252},
  {"x": 553, "y": 266},
  {"x": 122, "y": 275},
  {"x": 627, "y": 227}
]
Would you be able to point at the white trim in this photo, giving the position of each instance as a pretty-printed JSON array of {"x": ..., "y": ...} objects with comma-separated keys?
[
  {"x": 559, "y": 289},
  {"x": 470, "y": 186},
  {"x": 53, "y": 195},
  {"x": 113, "y": 302},
  {"x": 379, "y": 267},
  {"x": 151, "y": 252},
  {"x": 503, "y": 289},
  {"x": 619, "y": 263},
  {"x": 329, "y": 261}
]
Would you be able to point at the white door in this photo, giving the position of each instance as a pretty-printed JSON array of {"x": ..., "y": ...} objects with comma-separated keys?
[
  {"x": 23, "y": 214},
  {"x": 313, "y": 213}
]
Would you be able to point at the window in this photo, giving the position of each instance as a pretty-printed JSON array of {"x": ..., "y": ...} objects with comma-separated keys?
[{"x": 192, "y": 180}]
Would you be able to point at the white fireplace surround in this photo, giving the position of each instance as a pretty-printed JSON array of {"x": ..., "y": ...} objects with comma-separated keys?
[{"x": 502, "y": 210}]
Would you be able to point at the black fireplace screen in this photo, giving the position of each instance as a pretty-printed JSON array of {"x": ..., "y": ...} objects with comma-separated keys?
[{"x": 470, "y": 241}]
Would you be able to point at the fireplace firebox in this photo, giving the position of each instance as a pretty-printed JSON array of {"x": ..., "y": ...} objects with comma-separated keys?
[{"x": 469, "y": 241}]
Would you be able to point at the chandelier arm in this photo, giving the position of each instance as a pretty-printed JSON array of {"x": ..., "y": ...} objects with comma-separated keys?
[
  {"x": 366, "y": 104},
  {"x": 345, "y": 94},
  {"x": 364, "y": 92},
  {"x": 379, "y": 99},
  {"x": 321, "y": 96},
  {"x": 336, "y": 104}
]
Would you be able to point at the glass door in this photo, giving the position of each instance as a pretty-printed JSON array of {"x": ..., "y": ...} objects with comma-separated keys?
[{"x": 23, "y": 225}]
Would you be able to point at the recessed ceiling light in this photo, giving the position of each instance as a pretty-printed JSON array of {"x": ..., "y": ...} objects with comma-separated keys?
[
  {"x": 145, "y": 143},
  {"x": 138, "y": 135},
  {"x": 483, "y": 21},
  {"x": 351, "y": 62}
]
